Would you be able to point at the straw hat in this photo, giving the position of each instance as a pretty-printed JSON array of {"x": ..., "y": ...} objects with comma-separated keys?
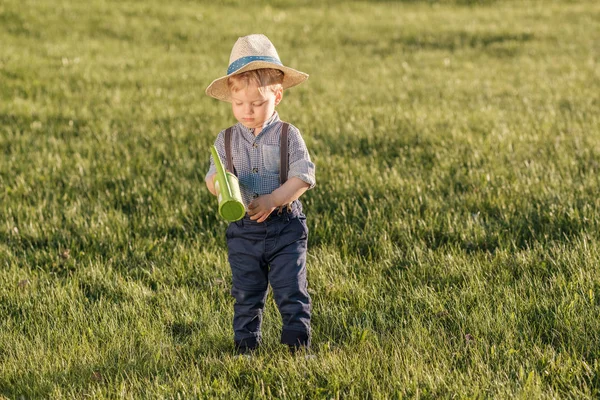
[{"x": 249, "y": 53}]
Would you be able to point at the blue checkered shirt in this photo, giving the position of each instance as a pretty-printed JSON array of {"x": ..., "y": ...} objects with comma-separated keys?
[{"x": 256, "y": 158}]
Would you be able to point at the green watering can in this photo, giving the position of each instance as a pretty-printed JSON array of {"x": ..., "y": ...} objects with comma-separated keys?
[{"x": 227, "y": 186}]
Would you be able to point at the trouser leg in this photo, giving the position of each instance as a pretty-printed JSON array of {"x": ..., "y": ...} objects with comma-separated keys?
[
  {"x": 249, "y": 282},
  {"x": 247, "y": 319},
  {"x": 294, "y": 305},
  {"x": 287, "y": 275}
]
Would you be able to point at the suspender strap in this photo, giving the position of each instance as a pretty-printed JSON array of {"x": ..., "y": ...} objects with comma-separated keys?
[
  {"x": 229, "y": 158},
  {"x": 283, "y": 153}
]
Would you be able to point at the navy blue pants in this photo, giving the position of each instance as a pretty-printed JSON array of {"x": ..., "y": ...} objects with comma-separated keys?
[{"x": 273, "y": 252}]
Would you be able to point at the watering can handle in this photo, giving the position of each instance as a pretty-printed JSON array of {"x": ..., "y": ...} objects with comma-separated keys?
[{"x": 221, "y": 174}]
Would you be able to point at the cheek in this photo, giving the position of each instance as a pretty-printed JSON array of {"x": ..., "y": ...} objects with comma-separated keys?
[{"x": 236, "y": 110}]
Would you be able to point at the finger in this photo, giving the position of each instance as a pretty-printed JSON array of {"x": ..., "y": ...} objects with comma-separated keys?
[
  {"x": 254, "y": 217},
  {"x": 266, "y": 215}
]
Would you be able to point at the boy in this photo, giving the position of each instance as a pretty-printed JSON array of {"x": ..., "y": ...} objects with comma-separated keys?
[{"x": 269, "y": 243}]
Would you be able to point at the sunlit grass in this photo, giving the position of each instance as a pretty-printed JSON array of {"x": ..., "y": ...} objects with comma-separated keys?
[{"x": 453, "y": 231}]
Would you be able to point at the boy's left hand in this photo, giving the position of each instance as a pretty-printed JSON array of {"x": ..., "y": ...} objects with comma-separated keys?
[{"x": 261, "y": 207}]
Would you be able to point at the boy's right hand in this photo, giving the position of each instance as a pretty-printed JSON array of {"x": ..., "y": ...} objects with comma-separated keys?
[{"x": 261, "y": 207}]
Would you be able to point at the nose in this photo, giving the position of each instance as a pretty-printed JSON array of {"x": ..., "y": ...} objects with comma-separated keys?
[{"x": 248, "y": 109}]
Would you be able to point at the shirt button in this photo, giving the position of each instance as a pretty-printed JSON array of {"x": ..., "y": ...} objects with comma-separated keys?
[
  {"x": 255, "y": 170},
  {"x": 255, "y": 145}
]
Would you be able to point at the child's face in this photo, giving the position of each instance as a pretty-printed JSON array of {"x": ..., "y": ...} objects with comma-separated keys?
[{"x": 252, "y": 108}]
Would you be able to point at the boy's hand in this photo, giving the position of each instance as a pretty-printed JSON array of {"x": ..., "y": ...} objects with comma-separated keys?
[
  {"x": 210, "y": 183},
  {"x": 261, "y": 207}
]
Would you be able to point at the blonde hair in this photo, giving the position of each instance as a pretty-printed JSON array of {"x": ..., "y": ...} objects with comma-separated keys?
[{"x": 263, "y": 78}]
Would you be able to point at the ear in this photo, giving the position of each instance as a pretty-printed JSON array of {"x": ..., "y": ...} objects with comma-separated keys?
[{"x": 278, "y": 95}]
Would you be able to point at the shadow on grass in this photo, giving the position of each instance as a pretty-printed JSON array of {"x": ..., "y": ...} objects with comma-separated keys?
[{"x": 183, "y": 331}]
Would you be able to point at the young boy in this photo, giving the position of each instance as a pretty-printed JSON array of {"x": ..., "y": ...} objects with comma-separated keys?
[{"x": 269, "y": 243}]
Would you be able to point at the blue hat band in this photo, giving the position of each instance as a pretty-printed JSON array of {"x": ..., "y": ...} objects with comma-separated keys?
[{"x": 242, "y": 62}]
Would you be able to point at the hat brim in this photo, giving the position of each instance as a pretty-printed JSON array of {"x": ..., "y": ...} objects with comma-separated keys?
[{"x": 220, "y": 90}]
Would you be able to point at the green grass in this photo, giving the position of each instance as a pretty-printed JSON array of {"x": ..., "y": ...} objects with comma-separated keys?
[{"x": 454, "y": 228}]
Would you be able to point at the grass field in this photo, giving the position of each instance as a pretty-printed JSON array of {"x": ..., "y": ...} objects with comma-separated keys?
[{"x": 454, "y": 228}]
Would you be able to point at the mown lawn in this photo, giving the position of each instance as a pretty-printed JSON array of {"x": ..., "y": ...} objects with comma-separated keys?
[{"x": 454, "y": 229}]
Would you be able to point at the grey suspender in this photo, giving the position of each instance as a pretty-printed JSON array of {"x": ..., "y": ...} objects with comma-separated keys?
[
  {"x": 283, "y": 153},
  {"x": 229, "y": 158}
]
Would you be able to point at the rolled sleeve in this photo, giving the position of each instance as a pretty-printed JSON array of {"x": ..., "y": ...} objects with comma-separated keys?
[
  {"x": 304, "y": 170},
  {"x": 300, "y": 163}
]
